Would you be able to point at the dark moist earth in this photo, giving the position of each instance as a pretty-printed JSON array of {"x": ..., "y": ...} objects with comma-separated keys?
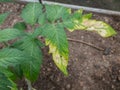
[{"x": 89, "y": 68}]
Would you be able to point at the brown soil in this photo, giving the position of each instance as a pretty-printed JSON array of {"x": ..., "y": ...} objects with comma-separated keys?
[{"x": 89, "y": 68}]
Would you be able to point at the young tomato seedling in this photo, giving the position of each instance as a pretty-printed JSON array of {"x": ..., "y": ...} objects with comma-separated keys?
[{"x": 23, "y": 58}]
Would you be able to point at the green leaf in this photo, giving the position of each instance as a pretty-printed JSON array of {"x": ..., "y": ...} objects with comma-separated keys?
[
  {"x": 31, "y": 69},
  {"x": 20, "y": 26},
  {"x": 42, "y": 19},
  {"x": 78, "y": 14},
  {"x": 6, "y": 83},
  {"x": 58, "y": 44},
  {"x": 9, "y": 75},
  {"x": 31, "y": 13},
  {"x": 12, "y": 57},
  {"x": 3, "y": 17},
  {"x": 39, "y": 43},
  {"x": 17, "y": 71},
  {"x": 6, "y": 72},
  {"x": 55, "y": 12},
  {"x": 29, "y": 45},
  {"x": 29, "y": 59},
  {"x": 71, "y": 21},
  {"x": 38, "y": 31},
  {"x": 87, "y": 16},
  {"x": 8, "y": 34}
]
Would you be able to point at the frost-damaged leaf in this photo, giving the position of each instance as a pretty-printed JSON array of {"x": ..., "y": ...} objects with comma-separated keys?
[
  {"x": 3, "y": 17},
  {"x": 55, "y": 12},
  {"x": 60, "y": 61},
  {"x": 6, "y": 83},
  {"x": 8, "y": 34},
  {"x": 58, "y": 45},
  {"x": 29, "y": 45},
  {"x": 85, "y": 23},
  {"x": 100, "y": 27},
  {"x": 31, "y": 13}
]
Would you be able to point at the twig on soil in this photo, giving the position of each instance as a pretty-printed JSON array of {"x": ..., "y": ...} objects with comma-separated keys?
[{"x": 89, "y": 44}]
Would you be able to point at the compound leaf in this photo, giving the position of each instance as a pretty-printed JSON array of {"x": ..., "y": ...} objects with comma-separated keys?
[
  {"x": 31, "y": 13},
  {"x": 55, "y": 37}
]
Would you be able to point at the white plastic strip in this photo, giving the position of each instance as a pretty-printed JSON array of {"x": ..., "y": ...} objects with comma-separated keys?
[{"x": 96, "y": 10}]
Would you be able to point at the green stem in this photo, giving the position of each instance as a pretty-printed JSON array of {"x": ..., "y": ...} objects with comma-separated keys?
[
  {"x": 33, "y": 28},
  {"x": 29, "y": 84}
]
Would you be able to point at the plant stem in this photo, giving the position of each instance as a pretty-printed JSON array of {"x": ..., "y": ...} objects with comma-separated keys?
[
  {"x": 29, "y": 84},
  {"x": 5, "y": 44},
  {"x": 80, "y": 41}
]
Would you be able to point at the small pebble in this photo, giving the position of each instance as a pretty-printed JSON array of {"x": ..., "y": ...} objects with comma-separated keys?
[{"x": 68, "y": 86}]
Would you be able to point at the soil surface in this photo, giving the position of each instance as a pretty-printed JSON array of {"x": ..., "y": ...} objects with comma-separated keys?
[{"x": 89, "y": 68}]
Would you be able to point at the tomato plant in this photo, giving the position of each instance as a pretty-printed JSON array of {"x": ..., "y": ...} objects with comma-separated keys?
[{"x": 23, "y": 58}]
